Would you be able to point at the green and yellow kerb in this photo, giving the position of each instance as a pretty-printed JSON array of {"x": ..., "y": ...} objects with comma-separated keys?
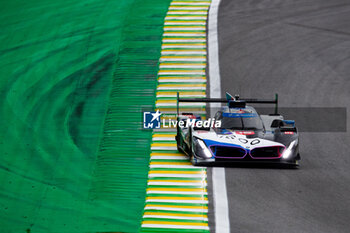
[{"x": 176, "y": 197}]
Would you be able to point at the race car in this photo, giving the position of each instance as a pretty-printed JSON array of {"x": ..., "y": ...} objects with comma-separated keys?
[{"x": 242, "y": 136}]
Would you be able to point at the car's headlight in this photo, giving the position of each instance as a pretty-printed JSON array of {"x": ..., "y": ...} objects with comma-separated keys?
[
  {"x": 288, "y": 152},
  {"x": 201, "y": 149}
]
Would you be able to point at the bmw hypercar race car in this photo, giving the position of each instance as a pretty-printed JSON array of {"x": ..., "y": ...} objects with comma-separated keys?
[{"x": 242, "y": 135}]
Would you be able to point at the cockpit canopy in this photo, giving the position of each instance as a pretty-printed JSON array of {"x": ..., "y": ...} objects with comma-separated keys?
[{"x": 239, "y": 118}]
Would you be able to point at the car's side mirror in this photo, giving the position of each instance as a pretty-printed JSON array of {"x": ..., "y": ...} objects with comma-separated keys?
[{"x": 277, "y": 123}]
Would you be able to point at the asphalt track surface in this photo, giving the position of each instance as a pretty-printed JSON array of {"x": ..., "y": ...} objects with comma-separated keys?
[{"x": 299, "y": 49}]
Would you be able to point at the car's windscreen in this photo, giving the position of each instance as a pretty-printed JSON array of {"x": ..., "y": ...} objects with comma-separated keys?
[{"x": 241, "y": 122}]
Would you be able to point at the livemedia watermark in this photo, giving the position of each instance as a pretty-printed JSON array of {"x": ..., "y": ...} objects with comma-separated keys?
[{"x": 152, "y": 120}]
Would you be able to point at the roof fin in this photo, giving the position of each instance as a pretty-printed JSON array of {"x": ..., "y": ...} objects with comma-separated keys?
[{"x": 229, "y": 96}]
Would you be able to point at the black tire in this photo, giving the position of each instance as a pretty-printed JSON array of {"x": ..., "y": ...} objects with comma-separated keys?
[
  {"x": 178, "y": 140},
  {"x": 179, "y": 144}
]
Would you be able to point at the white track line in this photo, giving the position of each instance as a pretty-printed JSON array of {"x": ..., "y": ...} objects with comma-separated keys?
[
  {"x": 222, "y": 221},
  {"x": 213, "y": 50}
]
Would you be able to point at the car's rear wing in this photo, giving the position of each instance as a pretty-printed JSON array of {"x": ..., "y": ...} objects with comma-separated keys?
[{"x": 232, "y": 101}]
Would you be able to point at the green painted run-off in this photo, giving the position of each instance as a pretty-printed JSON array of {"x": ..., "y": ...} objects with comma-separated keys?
[{"x": 66, "y": 166}]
